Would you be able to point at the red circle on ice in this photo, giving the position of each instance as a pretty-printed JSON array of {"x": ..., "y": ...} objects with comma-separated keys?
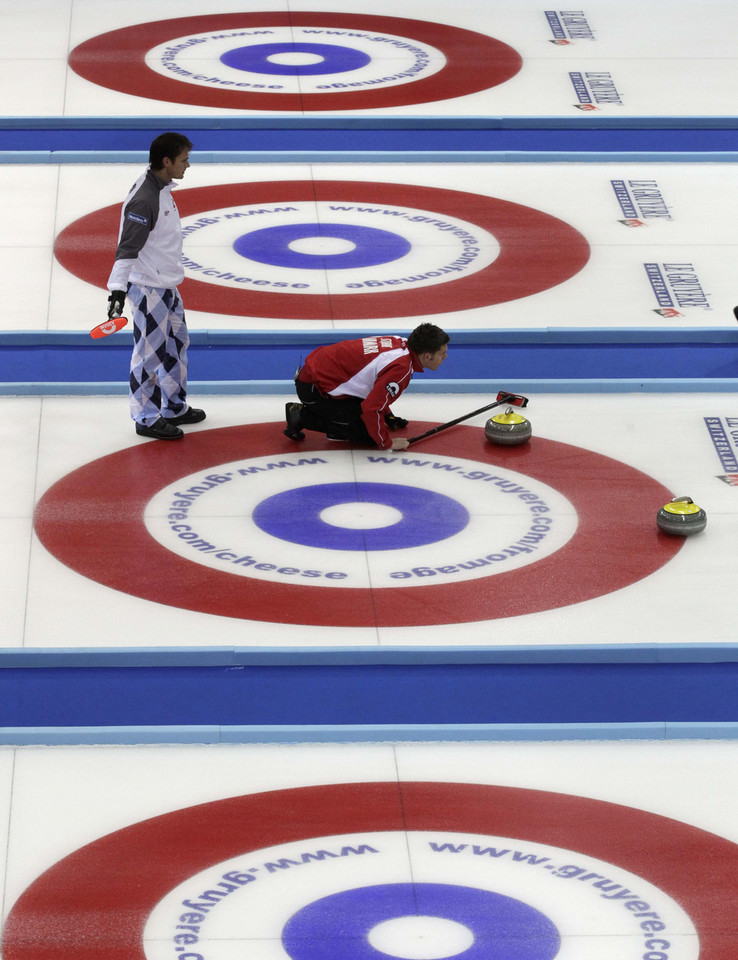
[
  {"x": 537, "y": 251},
  {"x": 474, "y": 62},
  {"x": 92, "y": 520},
  {"x": 94, "y": 904}
]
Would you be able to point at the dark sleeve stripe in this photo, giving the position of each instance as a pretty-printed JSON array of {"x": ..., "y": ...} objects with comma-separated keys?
[{"x": 139, "y": 218}]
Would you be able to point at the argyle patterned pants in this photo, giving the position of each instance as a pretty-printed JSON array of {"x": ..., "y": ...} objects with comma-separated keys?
[{"x": 158, "y": 381}]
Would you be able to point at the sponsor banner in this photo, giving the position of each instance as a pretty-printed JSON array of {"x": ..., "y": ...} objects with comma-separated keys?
[
  {"x": 723, "y": 432},
  {"x": 595, "y": 89},
  {"x": 640, "y": 201},
  {"x": 676, "y": 287},
  {"x": 568, "y": 26}
]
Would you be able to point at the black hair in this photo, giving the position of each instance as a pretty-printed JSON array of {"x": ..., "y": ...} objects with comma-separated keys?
[
  {"x": 167, "y": 145},
  {"x": 427, "y": 338}
]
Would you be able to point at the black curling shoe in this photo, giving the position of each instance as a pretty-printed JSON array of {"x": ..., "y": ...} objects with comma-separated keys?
[
  {"x": 191, "y": 415},
  {"x": 160, "y": 430},
  {"x": 293, "y": 419}
]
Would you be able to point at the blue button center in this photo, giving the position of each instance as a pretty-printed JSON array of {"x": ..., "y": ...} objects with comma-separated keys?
[
  {"x": 260, "y": 58},
  {"x": 424, "y": 516},
  {"x": 338, "y": 927},
  {"x": 371, "y": 246}
]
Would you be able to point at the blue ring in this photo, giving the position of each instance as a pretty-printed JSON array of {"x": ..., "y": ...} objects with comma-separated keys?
[
  {"x": 337, "y": 927},
  {"x": 270, "y": 245},
  {"x": 294, "y": 516},
  {"x": 255, "y": 59}
]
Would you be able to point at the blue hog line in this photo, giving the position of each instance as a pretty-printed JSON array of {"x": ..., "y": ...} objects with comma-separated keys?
[
  {"x": 651, "y": 921},
  {"x": 190, "y": 922}
]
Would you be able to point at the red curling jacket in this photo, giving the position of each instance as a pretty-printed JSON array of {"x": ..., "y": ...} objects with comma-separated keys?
[{"x": 376, "y": 369}]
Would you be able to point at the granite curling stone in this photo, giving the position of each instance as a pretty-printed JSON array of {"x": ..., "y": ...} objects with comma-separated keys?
[
  {"x": 508, "y": 429},
  {"x": 681, "y": 517}
]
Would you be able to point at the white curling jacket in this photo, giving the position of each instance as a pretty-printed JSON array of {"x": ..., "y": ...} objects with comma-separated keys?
[{"x": 149, "y": 250}]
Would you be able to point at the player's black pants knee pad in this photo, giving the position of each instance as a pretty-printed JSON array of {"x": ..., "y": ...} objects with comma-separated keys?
[{"x": 339, "y": 418}]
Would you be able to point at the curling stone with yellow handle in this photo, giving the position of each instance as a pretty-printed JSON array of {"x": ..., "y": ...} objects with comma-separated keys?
[
  {"x": 508, "y": 429},
  {"x": 681, "y": 517}
]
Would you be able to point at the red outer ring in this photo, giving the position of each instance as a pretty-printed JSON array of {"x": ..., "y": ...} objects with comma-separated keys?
[
  {"x": 93, "y": 905},
  {"x": 537, "y": 251},
  {"x": 474, "y": 62},
  {"x": 95, "y": 515}
]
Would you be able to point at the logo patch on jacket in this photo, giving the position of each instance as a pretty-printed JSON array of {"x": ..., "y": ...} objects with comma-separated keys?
[
  {"x": 393, "y": 389},
  {"x": 137, "y": 218}
]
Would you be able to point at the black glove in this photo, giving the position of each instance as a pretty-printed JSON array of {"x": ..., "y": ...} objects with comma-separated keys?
[
  {"x": 395, "y": 423},
  {"x": 116, "y": 303}
]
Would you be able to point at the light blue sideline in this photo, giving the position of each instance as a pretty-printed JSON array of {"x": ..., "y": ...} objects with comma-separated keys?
[
  {"x": 269, "y": 387},
  {"x": 257, "y": 656},
  {"x": 376, "y": 156},
  {"x": 365, "y": 733}
]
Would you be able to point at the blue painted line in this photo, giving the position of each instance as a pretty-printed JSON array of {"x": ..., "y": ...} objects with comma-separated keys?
[
  {"x": 368, "y": 694},
  {"x": 416, "y": 137},
  {"x": 505, "y": 357}
]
